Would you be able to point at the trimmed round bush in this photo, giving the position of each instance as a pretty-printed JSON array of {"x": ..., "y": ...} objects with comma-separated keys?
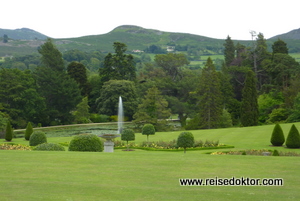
[
  {"x": 148, "y": 129},
  {"x": 277, "y": 138},
  {"x": 185, "y": 140},
  {"x": 49, "y": 147},
  {"x": 128, "y": 135},
  {"x": 275, "y": 153},
  {"x": 86, "y": 142},
  {"x": 293, "y": 138},
  {"x": 37, "y": 137}
]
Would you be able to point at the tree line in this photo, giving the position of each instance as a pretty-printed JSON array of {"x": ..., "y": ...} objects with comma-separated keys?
[{"x": 253, "y": 87}]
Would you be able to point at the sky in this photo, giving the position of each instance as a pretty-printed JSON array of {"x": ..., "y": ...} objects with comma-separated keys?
[{"x": 211, "y": 18}]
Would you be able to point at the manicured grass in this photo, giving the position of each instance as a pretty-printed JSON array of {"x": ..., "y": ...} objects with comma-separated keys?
[
  {"x": 150, "y": 175},
  {"x": 140, "y": 175}
]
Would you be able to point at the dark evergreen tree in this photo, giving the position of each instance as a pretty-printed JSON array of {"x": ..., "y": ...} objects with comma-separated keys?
[
  {"x": 5, "y": 38},
  {"x": 280, "y": 46},
  {"x": 277, "y": 138},
  {"x": 51, "y": 56},
  {"x": 77, "y": 71},
  {"x": 153, "y": 110},
  {"x": 118, "y": 66},
  {"x": 210, "y": 104},
  {"x": 229, "y": 51},
  {"x": 60, "y": 91},
  {"x": 293, "y": 138},
  {"x": 8, "y": 132},
  {"x": 249, "y": 105}
]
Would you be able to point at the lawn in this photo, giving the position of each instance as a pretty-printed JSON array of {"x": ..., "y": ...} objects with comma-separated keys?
[{"x": 150, "y": 175}]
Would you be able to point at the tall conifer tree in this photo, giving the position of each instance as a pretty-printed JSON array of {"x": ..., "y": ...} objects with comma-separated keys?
[
  {"x": 249, "y": 106},
  {"x": 210, "y": 105},
  {"x": 229, "y": 51}
]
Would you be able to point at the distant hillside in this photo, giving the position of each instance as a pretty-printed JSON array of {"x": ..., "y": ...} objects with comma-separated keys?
[
  {"x": 22, "y": 34},
  {"x": 136, "y": 37},
  {"x": 24, "y": 41},
  {"x": 294, "y": 34}
]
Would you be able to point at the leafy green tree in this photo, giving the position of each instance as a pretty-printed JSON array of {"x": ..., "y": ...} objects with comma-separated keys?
[
  {"x": 171, "y": 63},
  {"x": 19, "y": 97},
  {"x": 229, "y": 51},
  {"x": 118, "y": 66},
  {"x": 267, "y": 102},
  {"x": 153, "y": 110},
  {"x": 277, "y": 138},
  {"x": 210, "y": 103},
  {"x": 60, "y": 91},
  {"x": 128, "y": 135},
  {"x": 28, "y": 131},
  {"x": 295, "y": 112},
  {"x": 81, "y": 113},
  {"x": 293, "y": 138},
  {"x": 109, "y": 98},
  {"x": 249, "y": 106},
  {"x": 185, "y": 140},
  {"x": 280, "y": 46},
  {"x": 3, "y": 120},
  {"x": 8, "y": 132},
  {"x": 77, "y": 71},
  {"x": 148, "y": 129}
]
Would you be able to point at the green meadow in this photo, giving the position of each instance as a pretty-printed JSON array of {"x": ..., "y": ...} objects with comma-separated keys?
[{"x": 150, "y": 175}]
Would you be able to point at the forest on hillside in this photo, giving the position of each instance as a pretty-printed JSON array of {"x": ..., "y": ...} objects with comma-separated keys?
[{"x": 251, "y": 86}]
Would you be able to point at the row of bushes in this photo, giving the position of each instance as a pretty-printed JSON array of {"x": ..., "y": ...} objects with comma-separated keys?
[{"x": 292, "y": 140}]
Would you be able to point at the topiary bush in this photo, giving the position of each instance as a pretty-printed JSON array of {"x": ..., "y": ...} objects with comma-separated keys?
[
  {"x": 185, "y": 140},
  {"x": 8, "y": 132},
  {"x": 277, "y": 138},
  {"x": 293, "y": 138},
  {"x": 86, "y": 142},
  {"x": 49, "y": 147},
  {"x": 28, "y": 131},
  {"x": 148, "y": 129},
  {"x": 37, "y": 137},
  {"x": 128, "y": 135}
]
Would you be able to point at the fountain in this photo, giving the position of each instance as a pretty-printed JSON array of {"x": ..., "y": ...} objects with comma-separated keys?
[{"x": 109, "y": 144}]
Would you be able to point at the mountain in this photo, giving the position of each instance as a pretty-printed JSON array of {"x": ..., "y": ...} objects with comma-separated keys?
[
  {"x": 136, "y": 37},
  {"x": 294, "y": 35},
  {"x": 26, "y": 41},
  {"x": 22, "y": 34}
]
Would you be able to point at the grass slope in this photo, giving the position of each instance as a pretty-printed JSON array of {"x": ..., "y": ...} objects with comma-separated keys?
[{"x": 146, "y": 175}]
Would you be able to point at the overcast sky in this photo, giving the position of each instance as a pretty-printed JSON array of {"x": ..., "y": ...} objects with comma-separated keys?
[{"x": 212, "y": 18}]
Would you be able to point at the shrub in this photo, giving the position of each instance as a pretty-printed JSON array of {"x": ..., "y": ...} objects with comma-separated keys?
[
  {"x": 37, "y": 137},
  {"x": 8, "y": 132},
  {"x": 49, "y": 147},
  {"x": 98, "y": 118},
  {"x": 293, "y": 138},
  {"x": 86, "y": 142},
  {"x": 275, "y": 153},
  {"x": 148, "y": 129},
  {"x": 185, "y": 140},
  {"x": 277, "y": 138},
  {"x": 28, "y": 131}
]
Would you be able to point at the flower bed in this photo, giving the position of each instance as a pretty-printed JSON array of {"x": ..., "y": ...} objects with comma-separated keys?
[{"x": 15, "y": 147}]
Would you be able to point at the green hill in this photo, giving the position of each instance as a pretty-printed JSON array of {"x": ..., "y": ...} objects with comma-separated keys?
[
  {"x": 26, "y": 41},
  {"x": 22, "y": 34}
]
